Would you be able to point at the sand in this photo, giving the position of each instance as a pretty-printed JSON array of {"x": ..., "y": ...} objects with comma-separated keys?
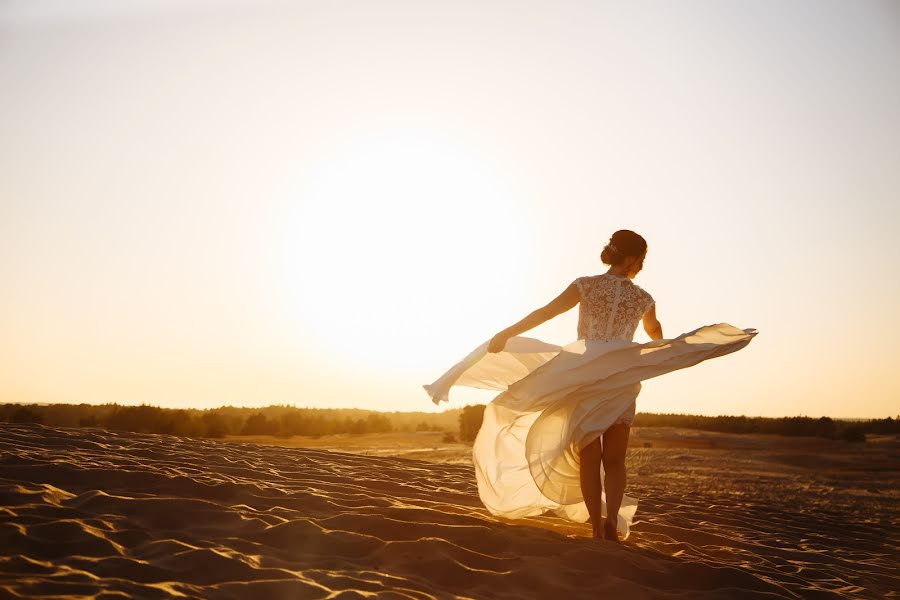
[{"x": 90, "y": 513}]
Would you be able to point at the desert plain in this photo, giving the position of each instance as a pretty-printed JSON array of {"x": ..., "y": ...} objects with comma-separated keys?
[{"x": 89, "y": 513}]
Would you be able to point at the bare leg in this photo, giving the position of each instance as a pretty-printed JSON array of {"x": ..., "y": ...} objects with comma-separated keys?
[
  {"x": 591, "y": 484},
  {"x": 615, "y": 443}
]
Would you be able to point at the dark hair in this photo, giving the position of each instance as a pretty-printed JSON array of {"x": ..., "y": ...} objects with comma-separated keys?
[{"x": 623, "y": 243}]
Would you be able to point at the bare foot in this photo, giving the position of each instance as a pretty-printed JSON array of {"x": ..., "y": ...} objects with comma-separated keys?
[
  {"x": 610, "y": 532},
  {"x": 597, "y": 533}
]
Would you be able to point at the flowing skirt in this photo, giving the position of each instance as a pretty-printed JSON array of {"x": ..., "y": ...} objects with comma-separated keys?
[{"x": 554, "y": 401}]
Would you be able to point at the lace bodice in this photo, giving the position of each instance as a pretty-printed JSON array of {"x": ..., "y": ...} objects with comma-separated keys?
[{"x": 611, "y": 307}]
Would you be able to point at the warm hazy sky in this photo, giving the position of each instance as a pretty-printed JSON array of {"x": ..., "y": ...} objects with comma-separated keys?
[{"x": 330, "y": 203}]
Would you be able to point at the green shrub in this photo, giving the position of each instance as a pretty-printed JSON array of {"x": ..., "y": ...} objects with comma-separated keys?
[{"x": 470, "y": 420}]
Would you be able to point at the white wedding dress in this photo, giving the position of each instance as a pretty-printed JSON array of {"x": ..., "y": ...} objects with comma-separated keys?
[{"x": 555, "y": 400}]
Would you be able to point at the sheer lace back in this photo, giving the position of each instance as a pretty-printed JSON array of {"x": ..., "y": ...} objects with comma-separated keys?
[{"x": 611, "y": 307}]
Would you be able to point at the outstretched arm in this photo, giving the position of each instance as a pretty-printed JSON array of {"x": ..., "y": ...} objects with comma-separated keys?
[
  {"x": 652, "y": 325},
  {"x": 566, "y": 300}
]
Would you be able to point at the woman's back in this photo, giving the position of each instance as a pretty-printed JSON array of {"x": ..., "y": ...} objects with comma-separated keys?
[{"x": 610, "y": 307}]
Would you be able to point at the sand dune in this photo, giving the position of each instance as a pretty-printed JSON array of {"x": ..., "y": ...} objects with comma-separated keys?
[{"x": 85, "y": 512}]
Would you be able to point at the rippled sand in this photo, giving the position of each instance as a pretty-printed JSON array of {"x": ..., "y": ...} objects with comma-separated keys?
[{"x": 85, "y": 512}]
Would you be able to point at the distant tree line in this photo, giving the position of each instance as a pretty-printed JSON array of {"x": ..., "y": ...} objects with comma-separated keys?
[
  {"x": 286, "y": 421},
  {"x": 826, "y": 427}
]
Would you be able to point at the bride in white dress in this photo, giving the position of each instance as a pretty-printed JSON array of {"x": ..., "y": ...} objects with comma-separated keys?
[{"x": 554, "y": 439}]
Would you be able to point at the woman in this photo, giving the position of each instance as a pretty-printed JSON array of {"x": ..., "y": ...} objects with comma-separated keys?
[{"x": 559, "y": 430}]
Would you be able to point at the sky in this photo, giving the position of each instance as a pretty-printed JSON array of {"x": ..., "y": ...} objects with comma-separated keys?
[{"x": 330, "y": 203}]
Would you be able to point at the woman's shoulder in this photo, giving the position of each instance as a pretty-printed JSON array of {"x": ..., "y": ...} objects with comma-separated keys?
[
  {"x": 589, "y": 279},
  {"x": 585, "y": 284},
  {"x": 642, "y": 291},
  {"x": 606, "y": 277},
  {"x": 637, "y": 287}
]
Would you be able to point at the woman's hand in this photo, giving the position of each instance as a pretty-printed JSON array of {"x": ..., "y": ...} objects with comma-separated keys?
[{"x": 497, "y": 343}]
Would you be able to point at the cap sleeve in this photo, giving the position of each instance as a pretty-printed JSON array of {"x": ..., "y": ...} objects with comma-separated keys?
[
  {"x": 579, "y": 283},
  {"x": 649, "y": 302}
]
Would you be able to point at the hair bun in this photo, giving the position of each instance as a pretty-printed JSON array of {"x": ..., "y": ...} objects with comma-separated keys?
[
  {"x": 621, "y": 244},
  {"x": 610, "y": 254}
]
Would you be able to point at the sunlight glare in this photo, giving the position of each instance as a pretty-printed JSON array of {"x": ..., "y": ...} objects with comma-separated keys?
[{"x": 383, "y": 236}]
